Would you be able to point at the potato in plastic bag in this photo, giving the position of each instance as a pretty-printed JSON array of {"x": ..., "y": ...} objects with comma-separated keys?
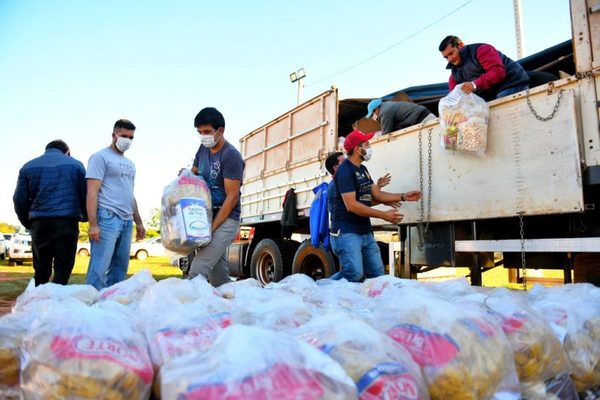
[
  {"x": 381, "y": 368},
  {"x": 85, "y": 353},
  {"x": 464, "y": 122},
  {"x": 573, "y": 311},
  {"x": 251, "y": 363},
  {"x": 186, "y": 214},
  {"x": 463, "y": 354}
]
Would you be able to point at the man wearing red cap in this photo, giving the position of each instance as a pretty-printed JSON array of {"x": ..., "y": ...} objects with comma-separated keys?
[{"x": 350, "y": 198}]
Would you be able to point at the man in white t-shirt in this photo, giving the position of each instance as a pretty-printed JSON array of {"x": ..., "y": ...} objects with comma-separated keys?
[{"x": 112, "y": 208}]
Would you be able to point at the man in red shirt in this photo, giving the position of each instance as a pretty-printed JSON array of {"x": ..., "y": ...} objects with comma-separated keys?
[{"x": 482, "y": 69}]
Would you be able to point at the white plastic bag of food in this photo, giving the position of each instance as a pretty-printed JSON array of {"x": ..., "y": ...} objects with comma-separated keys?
[
  {"x": 332, "y": 299},
  {"x": 179, "y": 290},
  {"x": 376, "y": 286},
  {"x": 381, "y": 368},
  {"x": 85, "y": 353},
  {"x": 541, "y": 363},
  {"x": 176, "y": 330},
  {"x": 573, "y": 311},
  {"x": 13, "y": 328},
  {"x": 130, "y": 290},
  {"x": 342, "y": 283},
  {"x": 52, "y": 291},
  {"x": 229, "y": 290},
  {"x": 462, "y": 353},
  {"x": 253, "y": 363},
  {"x": 186, "y": 214},
  {"x": 299, "y": 284},
  {"x": 272, "y": 309},
  {"x": 464, "y": 122}
]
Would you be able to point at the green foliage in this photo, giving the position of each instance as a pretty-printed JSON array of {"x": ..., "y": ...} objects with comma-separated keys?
[
  {"x": 154, "y": 220},
  {"x": 150, "y": 233},
  {"x": 7, "y": 228},
  {"x": 83, "y": 231}
]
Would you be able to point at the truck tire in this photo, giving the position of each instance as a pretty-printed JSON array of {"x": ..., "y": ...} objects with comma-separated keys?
[
  {"x": 268, "y": 261},
  {"x": 316, "y": 262}
]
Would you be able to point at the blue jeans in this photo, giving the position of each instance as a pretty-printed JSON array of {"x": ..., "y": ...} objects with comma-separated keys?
[
  {"x": 109, "y": 257},
  {"x": 359, "y": 256},
  {"x": 512, "y": 90}
]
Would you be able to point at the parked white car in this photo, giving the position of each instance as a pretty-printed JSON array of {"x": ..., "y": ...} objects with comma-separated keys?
[
  {"x": 7, "y": 240},
  {"x": 140, "y": 250},
  {"x": 20, "y": 248},
  {"x": 83, "y": 249},
  {"x": 2, "y": 247},
  {"x": 151, "y": 247}
]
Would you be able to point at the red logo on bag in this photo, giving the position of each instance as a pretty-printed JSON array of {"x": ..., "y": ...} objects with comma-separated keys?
[
  {"x": 377, "y": 290},
  {"x": 388, "y": 381},
  {"x": 281, "y": 381},
  {"x": 513, "y": 323},
  {"x": 128, "y": 356},
  {"x": 178, "y": 342},
  {"x": 109, "y": 293},
  {"x": 427, "y": 348}
]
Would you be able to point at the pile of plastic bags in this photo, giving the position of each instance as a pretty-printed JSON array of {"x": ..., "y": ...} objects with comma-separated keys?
[{"x": 386, "y": 338}]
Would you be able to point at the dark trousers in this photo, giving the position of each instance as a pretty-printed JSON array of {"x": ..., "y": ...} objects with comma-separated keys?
[{"x": 54, "y": 242}]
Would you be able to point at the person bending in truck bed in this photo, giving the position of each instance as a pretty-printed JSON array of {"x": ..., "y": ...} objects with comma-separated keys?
[
  {"x": 350, "y": 201},
  {"x": 396, "y": 115},
  {"x": 482, "y": 69}
]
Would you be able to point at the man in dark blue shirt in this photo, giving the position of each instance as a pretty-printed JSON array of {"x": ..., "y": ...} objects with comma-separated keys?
[
  {"x": 50, "y": 200},
  {"x": 222, "y": 167},
  {"x": 350, "y": 202}
]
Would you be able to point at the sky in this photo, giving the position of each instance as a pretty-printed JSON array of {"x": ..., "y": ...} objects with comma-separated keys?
[{"x": 70, "y": 68}]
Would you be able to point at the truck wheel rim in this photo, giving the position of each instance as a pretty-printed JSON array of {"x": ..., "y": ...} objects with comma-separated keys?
[
  {"x": 313, "y": 267},
  {"x": 266, "y": 268}
]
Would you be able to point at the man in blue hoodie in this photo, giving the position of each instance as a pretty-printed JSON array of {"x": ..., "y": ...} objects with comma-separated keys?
[{"x": 50, "y": 200}]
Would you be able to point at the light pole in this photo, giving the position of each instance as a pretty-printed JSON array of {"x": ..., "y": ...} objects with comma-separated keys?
[
  {"x": 519, "y": 28},
  {"x": 297, "y": 77}
]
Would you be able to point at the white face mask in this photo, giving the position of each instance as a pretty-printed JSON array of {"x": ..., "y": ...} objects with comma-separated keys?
[
  {"x": 123, "y": 144},
  {"x": 209, "y": 140},
  {"x": 375, "y": 117},
  {"x": 368, "y": 154}
]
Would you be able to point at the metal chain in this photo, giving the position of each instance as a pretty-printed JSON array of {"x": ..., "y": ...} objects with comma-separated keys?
[
  {"x": 428, "y": 179},
  {"x": 421, "y": 204},
  {"x": 421, "y": 185},
  {"x": 523, "y": 261},
  {"x": 551, "y": 115}
]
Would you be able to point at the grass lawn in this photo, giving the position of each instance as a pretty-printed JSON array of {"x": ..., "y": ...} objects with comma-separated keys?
[{"x": 13, "y": 280}]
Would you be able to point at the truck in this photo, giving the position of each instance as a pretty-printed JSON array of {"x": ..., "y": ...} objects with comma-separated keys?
[{"x": 529, "y": 203}]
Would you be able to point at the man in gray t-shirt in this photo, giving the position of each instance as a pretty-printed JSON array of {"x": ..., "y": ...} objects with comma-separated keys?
[{"x": 111, "y": 207}]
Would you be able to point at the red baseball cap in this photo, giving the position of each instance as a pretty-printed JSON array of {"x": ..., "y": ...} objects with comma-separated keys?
[{"x": 355, "y": 138}]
